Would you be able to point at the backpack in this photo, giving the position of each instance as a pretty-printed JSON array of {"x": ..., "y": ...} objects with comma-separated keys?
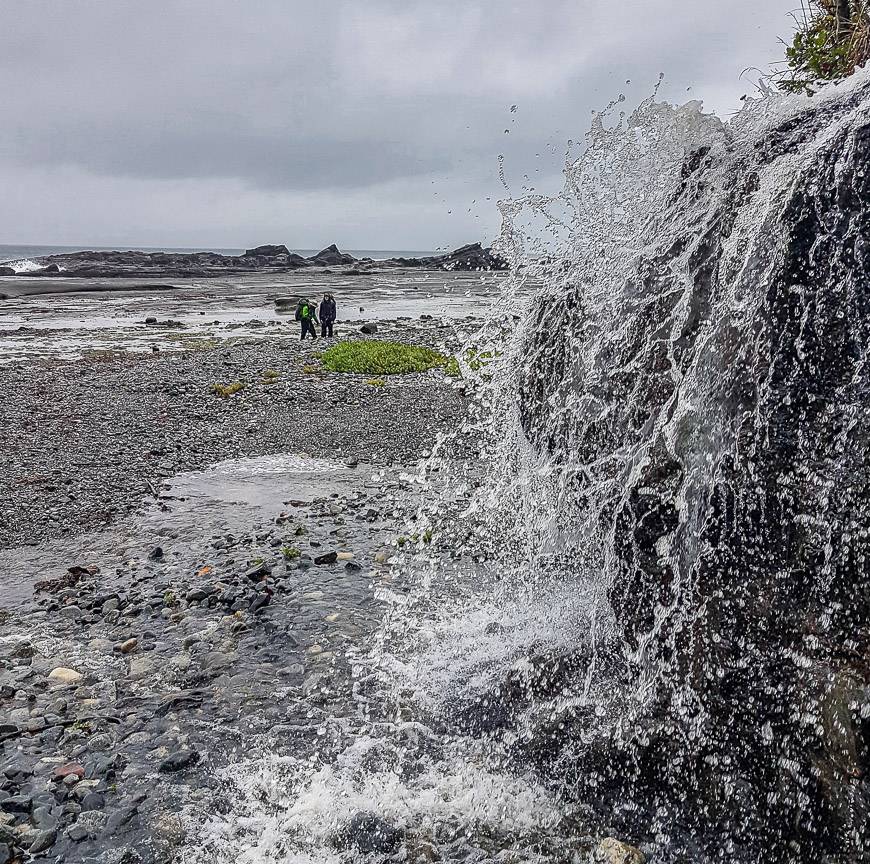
[{"x": 301, "y": 309}]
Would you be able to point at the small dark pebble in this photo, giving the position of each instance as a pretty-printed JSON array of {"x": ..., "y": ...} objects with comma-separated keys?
[
  {"x": 93, "y": 801},
  {"x": 178, "y": 761},
  {"x": 43, "y": 841},
  {"x": 260, "y": 571},
  {"x": 369, "y": 833}
]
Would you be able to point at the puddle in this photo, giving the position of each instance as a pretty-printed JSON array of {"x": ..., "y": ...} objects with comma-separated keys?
[{"x": 235, "y": 497}]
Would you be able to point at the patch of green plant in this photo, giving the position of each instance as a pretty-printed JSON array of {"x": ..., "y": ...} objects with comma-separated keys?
[
  {"x": 290, "y": 552},
  {"x": 308, "y": 369},
  {"x": 373, "y": 357},
  {"x": 376, "y": 382},
  {"x": 401, "y": 541},
  {"x": 828, "y": 45},
  {"x": 169, "y": 599},
  {"x": 226, "y": 390}
]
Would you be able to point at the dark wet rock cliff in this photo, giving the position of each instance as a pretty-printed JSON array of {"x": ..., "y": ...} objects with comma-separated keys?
[{"x": 736, "y": 421}]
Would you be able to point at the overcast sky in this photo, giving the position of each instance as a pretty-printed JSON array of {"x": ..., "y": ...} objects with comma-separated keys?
[{"x": 373, "y": 123}]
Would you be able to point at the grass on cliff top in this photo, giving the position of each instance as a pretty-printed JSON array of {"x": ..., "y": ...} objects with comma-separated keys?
[
  {"x": 372, "y": 357},
  {"x": 830, "y": 42}
]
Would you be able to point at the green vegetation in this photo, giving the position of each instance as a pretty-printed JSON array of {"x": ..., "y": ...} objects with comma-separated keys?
[
  {"x": 226, "y": 390},
  {"x": 831, "y": 41},
  {"x": 270, "y": 376},
  {"x": 290, "y": 552},
  {"x": 373, "y": 357},
  {"x": 308, "y": 369},
  {"x": 376, "y": 382},
  {"x": 170, "y": 600}
]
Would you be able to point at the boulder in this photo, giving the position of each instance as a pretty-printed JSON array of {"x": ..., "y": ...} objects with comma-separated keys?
[
  {"x": 472, "y": 256},
  {"x": 613, "y": 851},
  {"x": 266, "y": 251},
  {"x": 64, "y": 676},
  {"x": 369, "y": 329},
  {"x": 331, "y": 256},
  {"x": 7, "y": 271}
]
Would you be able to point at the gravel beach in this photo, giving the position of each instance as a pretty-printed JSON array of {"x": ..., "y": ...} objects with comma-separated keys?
[
  {"x": 82, "y": 442},
  {"x": 190, "y": 612}
]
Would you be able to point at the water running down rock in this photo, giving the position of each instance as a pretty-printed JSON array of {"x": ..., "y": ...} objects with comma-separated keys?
[{"x": 701, "y": 422}]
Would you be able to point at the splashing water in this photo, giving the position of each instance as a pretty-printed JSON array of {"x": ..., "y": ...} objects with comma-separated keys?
[{"x": 642, "y": 608}]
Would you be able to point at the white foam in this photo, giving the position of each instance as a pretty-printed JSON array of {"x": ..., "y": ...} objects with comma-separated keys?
[
  {"x": 288, "y": 811},
  {"x": 24, "y": 265}
]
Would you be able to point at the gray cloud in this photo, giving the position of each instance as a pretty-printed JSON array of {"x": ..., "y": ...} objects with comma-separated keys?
[{"x": 372, "y": 123}]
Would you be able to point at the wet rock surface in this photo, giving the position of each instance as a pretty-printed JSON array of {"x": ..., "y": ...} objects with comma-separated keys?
[{"x": 740, "y": 543}]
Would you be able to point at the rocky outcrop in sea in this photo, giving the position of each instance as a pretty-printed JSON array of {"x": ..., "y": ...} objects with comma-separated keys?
[{"x": 267, "y": 258}]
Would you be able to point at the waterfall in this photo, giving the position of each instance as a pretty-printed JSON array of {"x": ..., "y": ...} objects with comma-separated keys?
[
  {"x": 687, "y": 438},
  {"x": 642, "y": 606}
]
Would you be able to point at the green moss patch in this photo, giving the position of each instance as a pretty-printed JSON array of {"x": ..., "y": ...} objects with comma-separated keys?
[
  {"x": 372, "y": 357},
  {"x": 226, "y": 390}
]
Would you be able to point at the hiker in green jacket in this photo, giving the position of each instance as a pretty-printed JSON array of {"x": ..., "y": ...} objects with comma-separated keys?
[{"x": 307, "y": 315}]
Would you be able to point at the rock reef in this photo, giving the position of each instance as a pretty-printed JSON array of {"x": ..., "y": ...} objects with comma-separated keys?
[{"x": 267, "y": 258}]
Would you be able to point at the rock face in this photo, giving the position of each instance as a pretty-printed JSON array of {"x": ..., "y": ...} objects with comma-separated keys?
[{"x": 731, "y": 408}]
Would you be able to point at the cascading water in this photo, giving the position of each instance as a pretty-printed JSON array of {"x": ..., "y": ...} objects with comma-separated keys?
[
  {"x": 692, "y": 395},
  {"x": 643, "y": 607}
]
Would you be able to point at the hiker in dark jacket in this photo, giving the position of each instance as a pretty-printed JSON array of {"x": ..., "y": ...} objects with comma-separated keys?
[
  {"x": 327, "y": 315},
  {"x": 307, "y": 315}
]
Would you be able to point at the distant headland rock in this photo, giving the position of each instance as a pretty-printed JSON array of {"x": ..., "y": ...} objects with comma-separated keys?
[{"x": 267, "y": 258}]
